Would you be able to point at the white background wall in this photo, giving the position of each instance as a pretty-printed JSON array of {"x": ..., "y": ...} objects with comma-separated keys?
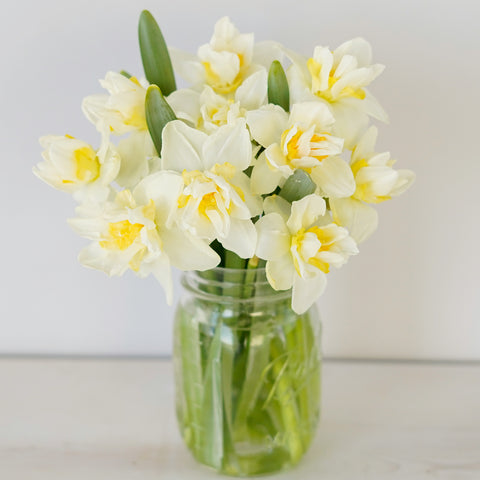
[{"x": 413, "y": 292}]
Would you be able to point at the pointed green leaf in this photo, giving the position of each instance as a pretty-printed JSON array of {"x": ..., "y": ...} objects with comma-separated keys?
[
  {"x": 155, "y": 57},
  {"x": 297, "y": 186},
  {"x": 158, "y": 113},
  {"x": 278, "y": 92}
]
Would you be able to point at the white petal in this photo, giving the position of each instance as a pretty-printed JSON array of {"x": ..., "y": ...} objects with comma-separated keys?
[
  {"x": 373, "y": 108},
  {"x": 273, "y": 237},
  {"x": 164, "y": 189},
  {"x": 358, "y": 47},
  {"x": 299, "y": 82},
  {"x": 230, "y": 143},
  {"x": 160, "y": 269},
  {"x": 358, "y": 78},
  {"x": 305, "y": 212},
  {"x": 187, "y": 66},
  {"x": 94, "y": 107},
  {"x": 277, "y": 159},
  {"x": 241, "y": 238},
  {"x": 181, "y": 147},
  {"x": 252, "y": 93},
  {"x": 347, "y": 64},
  {"x": 307, "y": 114},
  {"x": 89, "y": 227},
  {"x": 405, "y": 180},
  {"x": 110, "y": 164},
  {"x": 264, "y": 179},
  {"x": 323, "y": 56},
  {"x": 276, "y": 204},
  {"x": 334, "y": 177},
  {"x": 134, "y": 163},
  {"x": 359, "y": 219},
  {"x": 379, "y": 181},
  {"x": 267, "y": 124},
  {"x": 351, "y": 121},
  {"x": 188, "y": 252},
  {"x": 366, "y": 145},
  {"x": 225, "y": 65},
  {"x": 252, "y": 201},
  {"x": 280, "y": 273},
  {"x": 186, "y": 104},
  {"x": 306, "y": 291},
  {"x": 112, "y": 262},
  {"x": 380, "y": 160},
  {"x": 264, "y": 53}
]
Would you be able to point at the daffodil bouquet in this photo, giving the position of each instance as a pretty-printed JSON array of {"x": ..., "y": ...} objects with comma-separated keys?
[{"x": 266, "y": 161}]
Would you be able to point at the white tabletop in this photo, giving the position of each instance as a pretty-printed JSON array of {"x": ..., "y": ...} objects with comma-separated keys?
[{"x": 114, "y": 420}]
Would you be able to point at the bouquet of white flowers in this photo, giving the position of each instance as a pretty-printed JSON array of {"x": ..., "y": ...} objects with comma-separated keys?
[{"x": 266, "y": 160}]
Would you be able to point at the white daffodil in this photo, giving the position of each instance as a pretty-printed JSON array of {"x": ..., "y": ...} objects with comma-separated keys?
[
  {"x": 136, "y": 232},
  {"x": 339, "y": 79},
  {"x": 300, "y": 248},
  {"x": 226, "y": 61},
  {"x": 376, "y": 181},
  {"x": 208, "y": 110},
  {"x": 216, "y": 202},
  {"x": 299, "y": 140},
  {"x": 73, "y": 166},
  {"x": 122, "y": 110}
]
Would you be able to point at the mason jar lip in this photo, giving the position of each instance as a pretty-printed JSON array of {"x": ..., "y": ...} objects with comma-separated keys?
[
  {"x": 228, "y": 269},
  {"x": 198, "y": 285}
]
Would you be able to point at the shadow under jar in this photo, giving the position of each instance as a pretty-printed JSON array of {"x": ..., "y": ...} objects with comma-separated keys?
[{"x": 247, "y": 372}]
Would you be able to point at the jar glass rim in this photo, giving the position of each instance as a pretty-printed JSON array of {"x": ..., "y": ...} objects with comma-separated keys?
[{"x": 232, "y": 285}]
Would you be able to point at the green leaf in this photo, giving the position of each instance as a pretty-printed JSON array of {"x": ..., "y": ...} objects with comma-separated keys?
[
  {"x": 297, "y": 186},
  {"x": 125, "y": 74},
  {"x": 158, "y": 113},
  {"x": 278, "y": 92},
  {"x": 155, "y": 57}
]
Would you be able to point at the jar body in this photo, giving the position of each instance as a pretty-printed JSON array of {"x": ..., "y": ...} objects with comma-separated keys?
[{"x": 247, "y": 373}]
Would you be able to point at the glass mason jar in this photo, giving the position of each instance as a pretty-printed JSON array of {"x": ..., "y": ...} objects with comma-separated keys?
[{"x": 247, "y": 372}]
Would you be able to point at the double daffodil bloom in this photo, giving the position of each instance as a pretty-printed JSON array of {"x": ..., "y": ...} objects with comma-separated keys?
[
  {"x": 226, "y": 61},
  {"x": 301, "y": 140},
  {"x": 339, "y": 79},
  {"x": 300, "y": 244},
  {"x": 207, "y": 110},
  {"x": 376, "y": 181},
  {"x": 73, "y": 166},
  {"x": 136, "y": 231},
  {"x": 122, "y": 110},
  {"x": 215, "y": 202}
]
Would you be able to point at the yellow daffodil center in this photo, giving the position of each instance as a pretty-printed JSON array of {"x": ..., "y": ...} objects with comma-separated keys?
[
  {"x": 289, "y": 144},
  {"x": 295, "y": 147},
  {"x": 315, "y": 68},
  {"x": 87, "y": 165},
  {"x": 364, "y": 190},
  {"x": 210, "y": 200},
  {"x": 216, "y": 82},
  {"x": 218, "y": 115},
  {"x": 326, "y": 240},
  {"x": 136, "y": 117},
  {"x": 122, "y": 234}
]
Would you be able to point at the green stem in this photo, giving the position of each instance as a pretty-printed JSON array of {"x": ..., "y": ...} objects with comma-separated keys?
[
  {"x": 285, "y": 396},
  {"x": 191, "y": 367},
  {"x": 212, "y": 444},
  {"x": 232, "y": 260}
]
